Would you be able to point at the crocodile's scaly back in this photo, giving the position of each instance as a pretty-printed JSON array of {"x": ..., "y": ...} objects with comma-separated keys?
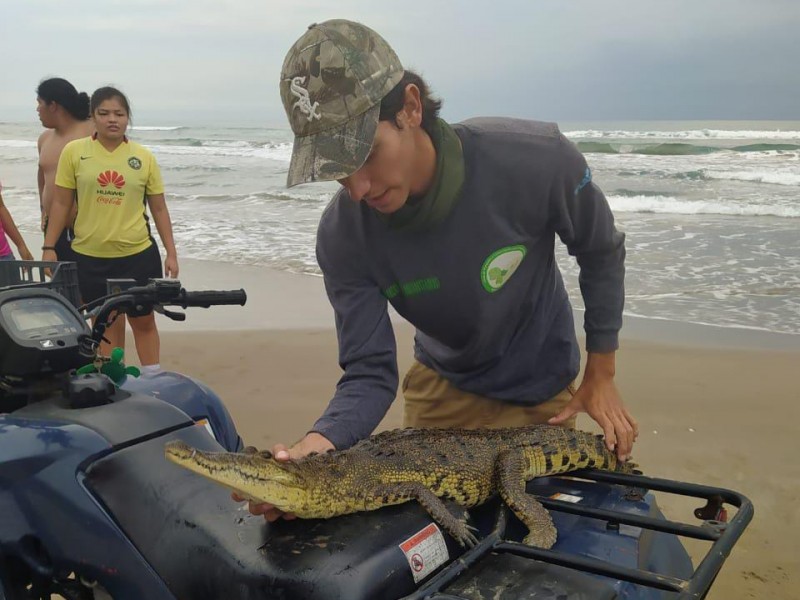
[{"x": 392, "y": 467}]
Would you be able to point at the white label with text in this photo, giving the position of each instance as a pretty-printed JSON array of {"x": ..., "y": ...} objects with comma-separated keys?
[{"x": 425, "y": 551}]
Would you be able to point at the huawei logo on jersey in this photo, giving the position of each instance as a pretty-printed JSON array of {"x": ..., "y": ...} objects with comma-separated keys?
[{"x": 111, "y": 177}]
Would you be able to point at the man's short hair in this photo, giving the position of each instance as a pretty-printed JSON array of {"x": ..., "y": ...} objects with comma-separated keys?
[{"x": 393, "y": 102}]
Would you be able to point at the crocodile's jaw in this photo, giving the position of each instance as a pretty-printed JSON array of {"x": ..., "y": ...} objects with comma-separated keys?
[{"x": 253, "y": 477}]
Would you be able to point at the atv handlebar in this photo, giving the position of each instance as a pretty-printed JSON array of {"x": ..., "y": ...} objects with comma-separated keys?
[
  {"x": 212, "y": 298},
  {"x": 156, "y": 295}
]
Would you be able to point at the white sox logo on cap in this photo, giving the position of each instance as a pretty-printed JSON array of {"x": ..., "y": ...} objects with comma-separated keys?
[{"x": 304, "y": 100}]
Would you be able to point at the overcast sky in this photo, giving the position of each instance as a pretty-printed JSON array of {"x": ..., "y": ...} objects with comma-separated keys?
[{"x": 186, "y": 61}]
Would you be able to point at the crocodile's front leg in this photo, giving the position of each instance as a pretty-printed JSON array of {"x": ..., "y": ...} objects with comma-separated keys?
[
  {"x": 410, "y": 490},
  {"x": 510, "y": 469}
]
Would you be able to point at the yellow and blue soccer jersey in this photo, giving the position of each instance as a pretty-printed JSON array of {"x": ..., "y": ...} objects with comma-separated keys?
[{"x": 112, "y": 189}]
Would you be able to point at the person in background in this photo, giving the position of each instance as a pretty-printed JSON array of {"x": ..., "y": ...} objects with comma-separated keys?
[
  {"x": 115, "y": 181},
  {"x": 9, "y": 228},
  {"x": 65, "y": 114}
]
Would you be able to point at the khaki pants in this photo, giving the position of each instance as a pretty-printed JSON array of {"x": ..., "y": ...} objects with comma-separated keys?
[{"x": 432, "y": 401}]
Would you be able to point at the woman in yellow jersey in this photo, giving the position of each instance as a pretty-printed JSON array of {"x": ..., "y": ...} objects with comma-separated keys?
[{"x": 115, "y": 180}]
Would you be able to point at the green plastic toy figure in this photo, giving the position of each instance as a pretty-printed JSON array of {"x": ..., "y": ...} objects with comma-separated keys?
[{"x": 114, "y": 368}]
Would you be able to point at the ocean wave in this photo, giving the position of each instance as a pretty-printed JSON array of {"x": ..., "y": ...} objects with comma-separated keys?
[
  {"x": 666, "y": 149},
  {"x": 766, "y": 148},
  {"x": 156, "y": 128},
  {"x": 231, "y": 144},
  {"x": 637, "y": 193},
  {"x": 188, "y": 141},
  {"x": 198, "y": 168},
  {"x": 677, "y": 148},
  {"x": 17, "y": 144},
  {"x": 280, "y": 151},
  {"x": 679, "y": 206},
  {"x": 598, "y": 147},
  {"x": 694, "y": 134},
  {"x": 199, "y": 142},
  {"x": 204, "y": 143},
  {"x": 690, "y": 175},
  {"x": 773, "y": 177},
  {"x": 264, "y": 196},
  {"x": 681, "y": 318}
]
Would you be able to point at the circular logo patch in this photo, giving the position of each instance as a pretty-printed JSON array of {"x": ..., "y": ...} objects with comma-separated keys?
[
  {"x": 134, "y": 163},
  {"x": 500, "y": 266}
]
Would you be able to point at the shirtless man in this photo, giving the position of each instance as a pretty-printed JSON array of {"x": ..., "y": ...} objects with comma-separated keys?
[{"x": 65, "y": 114}]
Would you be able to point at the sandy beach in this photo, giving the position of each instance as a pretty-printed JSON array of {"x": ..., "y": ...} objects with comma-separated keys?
[
  {"x": 674, "y": 118},
  {"x": 718, "y": 407}
]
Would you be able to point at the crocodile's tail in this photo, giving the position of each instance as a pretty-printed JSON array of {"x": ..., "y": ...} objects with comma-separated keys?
[
  {"x": 610, "y": 460},
  {"x": 560, "y": 450},
  {"x": 628, "y": 466}
]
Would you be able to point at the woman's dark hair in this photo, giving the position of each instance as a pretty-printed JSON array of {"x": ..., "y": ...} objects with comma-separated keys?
[
  {"x": 107, "y": 93},
  {"x": 64, "y": 94},
  {"x": 393, "y": 102}
]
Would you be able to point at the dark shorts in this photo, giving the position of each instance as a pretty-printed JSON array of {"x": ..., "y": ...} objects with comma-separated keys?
[
  {"x": 93, "y": 272},
  {"x": 64, "y": 246}
]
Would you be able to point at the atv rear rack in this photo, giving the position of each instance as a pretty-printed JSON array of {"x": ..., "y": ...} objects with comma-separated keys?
[{"x": 723, "y": 536}]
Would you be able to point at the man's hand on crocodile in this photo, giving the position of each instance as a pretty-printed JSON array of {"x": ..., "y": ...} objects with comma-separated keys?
[
  {"x": 312, "y": 442},
  {"x": 599, "y": 397}
]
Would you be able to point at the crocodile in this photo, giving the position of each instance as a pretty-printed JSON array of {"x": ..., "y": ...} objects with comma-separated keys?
[{"x": 466, "y": 466}]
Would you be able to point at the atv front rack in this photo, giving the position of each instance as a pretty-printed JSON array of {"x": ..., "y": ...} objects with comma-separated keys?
[{"x": 723, "y": 536}]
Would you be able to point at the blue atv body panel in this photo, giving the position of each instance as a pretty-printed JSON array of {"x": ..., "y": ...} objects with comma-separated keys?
[
  {"x": 47, "y": 446},
  {"x": 50, "y": 521},
  {"x": 192, "y": 397}
]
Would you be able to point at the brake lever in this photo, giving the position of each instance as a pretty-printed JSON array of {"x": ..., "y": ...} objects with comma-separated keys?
[{"x": 171, "y": 314}]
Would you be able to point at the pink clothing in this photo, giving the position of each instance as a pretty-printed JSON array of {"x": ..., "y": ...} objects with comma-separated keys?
[{"x": 5, "y": 249}]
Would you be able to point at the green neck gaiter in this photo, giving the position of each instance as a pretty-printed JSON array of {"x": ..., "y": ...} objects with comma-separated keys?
[{"x": 420, "y": 213}]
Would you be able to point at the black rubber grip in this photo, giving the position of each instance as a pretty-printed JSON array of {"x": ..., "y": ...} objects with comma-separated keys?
[{"x": 212, "y": 298}]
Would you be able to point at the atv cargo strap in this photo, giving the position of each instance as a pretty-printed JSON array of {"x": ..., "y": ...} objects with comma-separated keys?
[{"x": 723, "y": 536}]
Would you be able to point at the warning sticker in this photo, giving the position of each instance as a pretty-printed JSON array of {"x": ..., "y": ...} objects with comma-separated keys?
[
  {"x": 425, "y": 551},
  {"x": 207, "y": 425}
]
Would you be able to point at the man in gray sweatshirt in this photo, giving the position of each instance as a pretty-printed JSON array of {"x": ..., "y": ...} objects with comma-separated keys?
[{"x": 454, "y": 226}]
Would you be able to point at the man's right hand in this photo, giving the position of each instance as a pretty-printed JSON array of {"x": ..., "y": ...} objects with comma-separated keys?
[{"x": 312, "y": 442}]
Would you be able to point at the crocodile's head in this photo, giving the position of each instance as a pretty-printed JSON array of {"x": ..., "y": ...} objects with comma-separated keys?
[{"x": 254, "y": 476}]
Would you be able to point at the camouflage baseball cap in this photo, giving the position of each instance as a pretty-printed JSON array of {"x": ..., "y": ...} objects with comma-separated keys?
[{"x": 332, "y": 82}]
